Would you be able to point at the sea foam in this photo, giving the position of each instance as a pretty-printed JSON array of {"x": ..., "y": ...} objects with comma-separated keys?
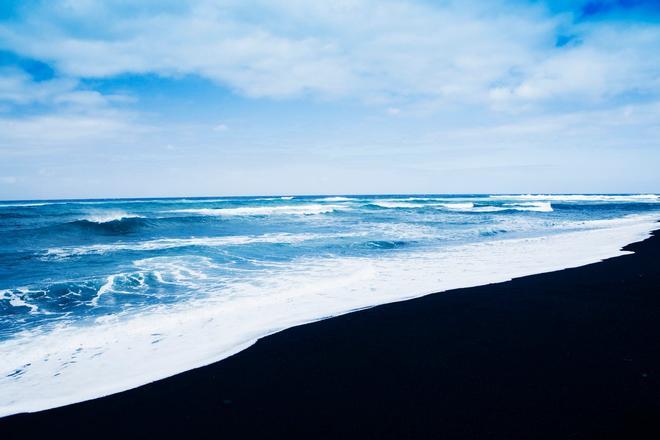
[
  {"x": 108, "y": 216},
  {"x": 173, "y": 243},
  {"x": 308, "y": 209},
  {"x": 634, "y": 198},
  {"x": 75, "y": 362}
]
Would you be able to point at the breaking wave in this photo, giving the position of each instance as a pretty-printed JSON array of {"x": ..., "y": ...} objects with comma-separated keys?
[
  {"x": 109, "y": 216},
  {"x": 634, "y": 198},
  {"x": 131, "y": 293},
  {"x": 263, "y": 210}
]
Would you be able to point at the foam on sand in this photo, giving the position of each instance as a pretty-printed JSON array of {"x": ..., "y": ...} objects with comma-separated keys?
[{"x": 72, "y": 363}]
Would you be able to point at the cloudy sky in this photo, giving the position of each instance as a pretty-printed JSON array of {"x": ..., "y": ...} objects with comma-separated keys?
[{"x": 119, "y": 98}]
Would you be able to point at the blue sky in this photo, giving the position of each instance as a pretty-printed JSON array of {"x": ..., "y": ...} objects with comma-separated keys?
[{"x": 166, "y": 98}]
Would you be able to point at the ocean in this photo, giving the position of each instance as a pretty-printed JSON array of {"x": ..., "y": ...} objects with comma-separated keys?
[{"x": 99, "y": 296}]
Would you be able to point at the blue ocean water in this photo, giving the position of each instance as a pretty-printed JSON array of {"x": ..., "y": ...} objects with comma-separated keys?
[
  {"x": 99, "y": 296},
  {"x": 71, "y": 260}
]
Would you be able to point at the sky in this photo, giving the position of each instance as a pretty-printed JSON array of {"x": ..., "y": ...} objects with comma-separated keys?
[{"x": 161, "y": 98}]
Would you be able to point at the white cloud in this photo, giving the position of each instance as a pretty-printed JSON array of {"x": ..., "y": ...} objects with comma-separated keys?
[
  {"x": 611, "y": 62},
  {"x": 53, "y": 132},
  {"x": 478, "y": 82},
  {"x": 18, "y": 88},
  {"x": 9, "y": 180},
  {"x": 375, "y": 50}
]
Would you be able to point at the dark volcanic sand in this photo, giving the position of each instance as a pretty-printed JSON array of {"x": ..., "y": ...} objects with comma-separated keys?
[{"x": 569, "y": 354}]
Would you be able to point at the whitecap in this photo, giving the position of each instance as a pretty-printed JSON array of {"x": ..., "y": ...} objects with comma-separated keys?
[
  {"x": 172, "y": 243},
  {"x": 531, "y": 206},
  {"x": 198, "y": 332},
  {"x": 334, "y": 199},
  {"x": 456, "y": 206},
  {"x": 108, "y": 216},
  {"x": 20, "y": 205},
  {"x": 627, "y": 198},
  {"x": 105, "y": 288},
  {"x": 396, "y": 205},
  {"x": 522, "y": 206},
  {"x": 263, "y": 210},
  {"x": 18, "y": 300}
]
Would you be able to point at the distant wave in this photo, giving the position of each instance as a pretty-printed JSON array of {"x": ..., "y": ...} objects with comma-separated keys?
[
  {"x": 102, "y": 223},
  {"x": 408, "y": 205},
  {"x": 468, "y": 206},
  {"x": 526, "y": 206},
  {"x": 263, "y": 210},
  {"x": 531, "y": 206},
  {"x": 21, "y": 205},
  {"x": 638, "y": 198},
  {"x": 457, "y": 206},
  {"x": 394, "y": 204},
  {"x": 109, "y": 216},
  {"x": 334, "y": 199},
  {"x": 115, "y": 201}
]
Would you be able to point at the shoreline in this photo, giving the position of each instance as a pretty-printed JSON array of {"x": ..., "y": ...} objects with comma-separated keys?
[
  {"x": 403, "y": 363},
  {"x": 62, "y": 368}
]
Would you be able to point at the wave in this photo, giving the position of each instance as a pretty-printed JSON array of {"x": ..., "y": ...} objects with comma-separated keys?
[
  {"x": 468, "y": 206},
  {"x": 109, "y": 216},
  {"x": 524, "y": 206},
  {"x": 173, "y": 243},
  {"x": 115, "y": 201},
  {"x": 118, "y": 226},
  {"x": 334, "y": 199},
  {"x": 131, "y": 350},
  {"x": 456, "y": 206},
  {"x": 531, "y": 206},
  {"x": 17, "y": 299},
  {"x": 396, "y": 205},
  {"x": 400, "y": 231},
  {"x": 21, "y": 205},
  {"x": 488, "y": 209},
  {"x": 405, "y": 231},
  {"x": 632, "y": 198},
  {"x": 263, "y": 210},
  {"x": 385, "y": 244}
]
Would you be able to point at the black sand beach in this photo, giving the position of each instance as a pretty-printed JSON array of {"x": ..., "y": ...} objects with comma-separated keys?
[{"x": 573, "y": 354}]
